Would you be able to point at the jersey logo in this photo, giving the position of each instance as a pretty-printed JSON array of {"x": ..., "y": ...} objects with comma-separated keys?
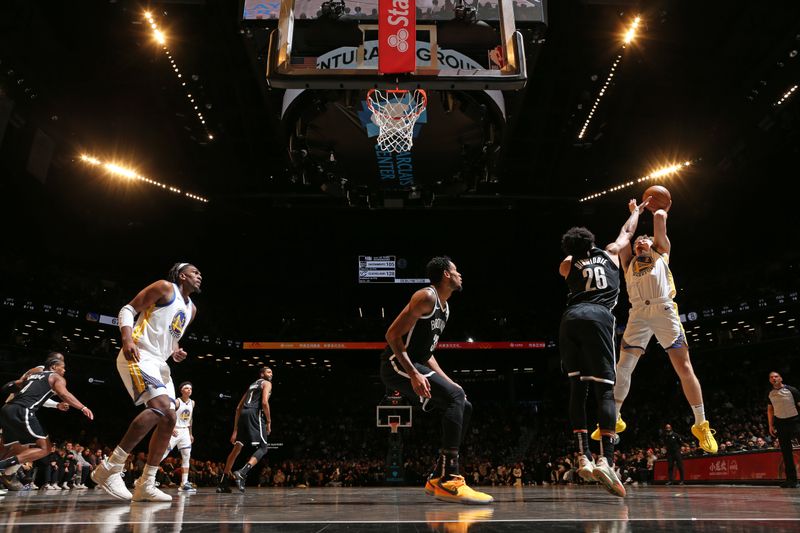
[
  {"x": 177, "y": 324},
  {"x": 186, "y": 415},
  {"x": 642, "y": 265}
]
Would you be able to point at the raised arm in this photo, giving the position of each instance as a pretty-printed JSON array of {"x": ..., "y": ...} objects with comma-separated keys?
[
  {"x": 620, "y": 249},
  {"x": 158, "y": 292},
  {"x": 421, "y": 304},
  {"x": 660, "y": 239}
]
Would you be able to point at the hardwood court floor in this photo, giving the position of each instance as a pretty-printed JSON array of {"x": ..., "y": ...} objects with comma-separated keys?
[{"x": 586, "y": 509}]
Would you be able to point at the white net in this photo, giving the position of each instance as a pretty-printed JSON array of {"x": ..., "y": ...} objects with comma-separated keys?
[{"x": 395, "y": 112}]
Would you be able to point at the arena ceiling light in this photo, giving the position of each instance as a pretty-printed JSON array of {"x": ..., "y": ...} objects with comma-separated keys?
[
  {"x": 129, "y": 173},
  {"x": 160, "y": 37},
  {"x": 629, "y": 36},
  {"x": 656, "y": 174},
  {"x": 788, "y": 94}
]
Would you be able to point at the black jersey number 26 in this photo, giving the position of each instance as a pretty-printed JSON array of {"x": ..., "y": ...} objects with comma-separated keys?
[{"x": 596, "y": 274}]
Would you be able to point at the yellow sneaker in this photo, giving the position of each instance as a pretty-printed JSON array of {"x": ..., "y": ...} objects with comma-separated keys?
[
  {"x": 705, "y": 435},
  {"x": 619, "y": 428},
  {"x": 430, "y": 485},
  {"x": 456, "y": 490}
]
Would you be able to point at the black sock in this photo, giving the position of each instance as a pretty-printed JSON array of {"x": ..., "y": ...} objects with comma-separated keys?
[
  {"x": 11, "y": 461},
  {"x": 583, "y": 443},
  {"x": 245, "y": 469},
  {"x": 224, "y": 480},
  {"x": 438, "y": 467},
  {"x": 607, "y": 448},
  {"x": 450, "y": 460}
]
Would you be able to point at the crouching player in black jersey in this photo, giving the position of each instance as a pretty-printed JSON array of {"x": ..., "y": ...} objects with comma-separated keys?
[
  {"x": 586, "y": 340},
  {"x": 25, "y": 438},
  {"x": 408, "y": 366},
  {"x": 252, "y": 425}
]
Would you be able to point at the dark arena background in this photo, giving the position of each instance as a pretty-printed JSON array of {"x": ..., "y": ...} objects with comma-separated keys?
[{"x": 135, "y": 135}]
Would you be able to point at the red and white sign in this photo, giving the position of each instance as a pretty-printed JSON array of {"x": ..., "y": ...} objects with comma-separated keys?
[
  {"x": 397, "y": 36},
  {"x": 748, "y": 466}
]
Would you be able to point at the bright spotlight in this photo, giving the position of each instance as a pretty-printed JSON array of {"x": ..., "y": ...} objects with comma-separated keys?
[
  {"x": 631, "y": 33},
  {"x": 89, "y": 159},
  {"x": 121, "y": 171},
  {"x": 159, "y": 36}
]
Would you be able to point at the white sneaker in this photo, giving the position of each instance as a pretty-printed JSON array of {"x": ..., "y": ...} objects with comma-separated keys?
[
  {"x": 187, "y": 488},
  {"x": 34, "y": 486},
  {"x": 608, "y": 478},
  {"x": 65, "y": 486},
  {"x": 586, "y": 468},
  {"x": 148, "y": 492},
  {"x": 109, "y": 478}
]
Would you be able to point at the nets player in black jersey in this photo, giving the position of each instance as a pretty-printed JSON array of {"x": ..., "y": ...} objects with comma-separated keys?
[
  {"x": 250, "y": 428},
  {"x": 586, "y": 339},
  {"x": 25, "y": 437},
  {"x": 408, "y": 366}
]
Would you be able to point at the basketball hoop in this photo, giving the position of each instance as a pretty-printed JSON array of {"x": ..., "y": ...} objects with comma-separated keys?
[
  {"x": 395, "y": 112},
  {"x": 394, "y": 426}
]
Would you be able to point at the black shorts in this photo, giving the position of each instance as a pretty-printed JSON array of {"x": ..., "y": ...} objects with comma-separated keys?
[
  {"x": 586, "y": 342},
  {"x": 20, "y": 425},
  {"x": 251, "y": 428}
]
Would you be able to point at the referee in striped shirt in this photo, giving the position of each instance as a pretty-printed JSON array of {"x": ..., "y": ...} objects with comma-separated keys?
[{"x": 783, "y": 419}]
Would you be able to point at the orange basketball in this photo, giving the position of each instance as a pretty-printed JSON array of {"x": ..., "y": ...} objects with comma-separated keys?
[{"x": 661, "y": 199}]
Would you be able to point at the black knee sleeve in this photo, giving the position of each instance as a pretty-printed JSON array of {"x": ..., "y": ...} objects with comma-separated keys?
[
  {"x": 578, "y": 391},
  {"x": 260, "y": 452},
  {"x": 606, "y": 408}
]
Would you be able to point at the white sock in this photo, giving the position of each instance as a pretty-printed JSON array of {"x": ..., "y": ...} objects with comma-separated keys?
[
  {"x": 185, "y": 477},
  {"x": 119, "y": 457},
  {"x": 149, "y": 474},
  {"x": 699, "y": 414}
]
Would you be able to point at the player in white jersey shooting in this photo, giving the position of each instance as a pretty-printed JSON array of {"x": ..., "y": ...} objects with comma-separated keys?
[
  {"x": 165, "y": 311},
  {"x": 651, "y": 290},
  {"x": 182, "y": 437}
]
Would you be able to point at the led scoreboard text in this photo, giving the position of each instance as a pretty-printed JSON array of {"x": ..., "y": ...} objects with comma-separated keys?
[{"x": 383, "y": 269}]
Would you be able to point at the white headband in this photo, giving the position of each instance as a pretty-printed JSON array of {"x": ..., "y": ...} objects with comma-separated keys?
[{"x": 181, "y": 265}]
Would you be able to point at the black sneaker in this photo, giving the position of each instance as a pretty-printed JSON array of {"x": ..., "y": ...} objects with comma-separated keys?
[
  {"x": 240, "y": 480},
  {"x": 790, "y": 484},
  {"x": 224, "y": 486}
]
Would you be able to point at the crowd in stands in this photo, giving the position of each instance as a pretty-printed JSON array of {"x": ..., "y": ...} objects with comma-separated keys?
[{"x": 505, "y": 446}]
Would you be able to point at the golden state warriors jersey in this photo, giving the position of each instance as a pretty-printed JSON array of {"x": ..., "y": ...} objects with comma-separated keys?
[
  {"x": 648, "y": 278},
  {"x": 184, "y": 413},
  {"x": 159, "y": 326}
]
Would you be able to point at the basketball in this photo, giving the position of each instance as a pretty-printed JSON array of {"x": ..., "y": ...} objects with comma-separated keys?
[{"x": 661, "y": 198}]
